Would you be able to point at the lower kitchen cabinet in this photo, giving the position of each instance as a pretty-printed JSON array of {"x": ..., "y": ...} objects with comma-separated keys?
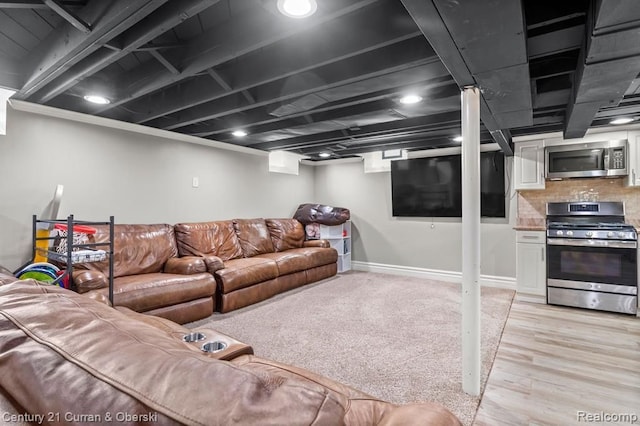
[{"x": 531, "y": 266}]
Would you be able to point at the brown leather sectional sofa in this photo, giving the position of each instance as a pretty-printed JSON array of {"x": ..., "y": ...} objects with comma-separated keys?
[
  {"x": 185, "y": 272},
  {"x": 67, "y": 359},
  {"x": 260, "y": 258}
]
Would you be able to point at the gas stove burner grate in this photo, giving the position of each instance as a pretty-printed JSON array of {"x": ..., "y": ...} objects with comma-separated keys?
[{"x": 599, "y": 225}]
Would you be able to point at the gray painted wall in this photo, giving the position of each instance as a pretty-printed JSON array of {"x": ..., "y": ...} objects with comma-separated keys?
[
  {"x": 423, "y": 243},
  {"x": 135, "y": 177},
  {"x": 146, "y": 179}
]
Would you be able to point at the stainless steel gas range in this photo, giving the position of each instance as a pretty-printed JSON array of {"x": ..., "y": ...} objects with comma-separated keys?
[{"x": 591, "y": 257}]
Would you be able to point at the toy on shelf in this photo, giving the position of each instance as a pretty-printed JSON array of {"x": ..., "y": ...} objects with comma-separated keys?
[{"x": 41, "y": 271}]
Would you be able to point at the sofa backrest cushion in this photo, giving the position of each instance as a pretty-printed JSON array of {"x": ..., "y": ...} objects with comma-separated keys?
[
  {"x": 138, "y": 249},
  {"x": 285, "y": 233},
  {"x": 208, "y": 238},
  {"x": 254, "y": 236}
]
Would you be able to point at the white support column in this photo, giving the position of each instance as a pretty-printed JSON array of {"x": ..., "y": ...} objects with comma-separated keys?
[{"x": 471, "y": 240}]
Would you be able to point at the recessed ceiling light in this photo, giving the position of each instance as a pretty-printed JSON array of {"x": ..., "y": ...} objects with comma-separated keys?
[
  {"x": 297, "y": 8},
  {"x": 621, "y": 120},
  {"x": 324, "y": 155},
  {"x": 239, "y": 133},
  {"x": 410, "y": 99},
  {"x": 457, "y": 139},
  {"x": 97, "y": 99}
]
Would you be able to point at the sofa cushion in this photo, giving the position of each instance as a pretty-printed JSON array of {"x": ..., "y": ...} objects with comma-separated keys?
[
  {"x": 285, "y": 233},
  {"x": 317, "y": 256},
  {"x": 138, "y": 249},
  {"x": 289, "y": 262},
  {"x": 254, "y": 236},
  {"x": 208, "y": 238},
  {"x": 145, "y": 292},
  {"x": 239, "y": 273}
]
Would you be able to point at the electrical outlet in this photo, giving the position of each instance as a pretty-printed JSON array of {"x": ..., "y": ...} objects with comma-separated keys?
[{"x": 195, "y": 182}]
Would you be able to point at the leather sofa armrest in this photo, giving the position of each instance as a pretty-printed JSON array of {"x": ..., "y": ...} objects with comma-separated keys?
[
  {"x": 233, "y": 349},
  {"x": 99, "y": 296},
  {"x": 187, "y": 265},
  {"x": 317, "y": 243},
  {"x": 86, "y": 280},
  {"x": 214, "y": 263}
]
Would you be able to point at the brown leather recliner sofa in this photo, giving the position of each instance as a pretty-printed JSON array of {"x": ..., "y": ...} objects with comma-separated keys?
[
  {"x": 149, "y": 276},
  {"x": 185, "y": 272},
  {"x": 254, "y": 259},
  {"x": 69, "y": 359}
]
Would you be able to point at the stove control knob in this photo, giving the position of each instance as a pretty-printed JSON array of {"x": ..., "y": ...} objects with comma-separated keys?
[
  {"x": 589, "y": 234},
  {"x": 559, "y": 233},
  {"x": 610, "y": 234},
  {"x": 569, "y": 233}
]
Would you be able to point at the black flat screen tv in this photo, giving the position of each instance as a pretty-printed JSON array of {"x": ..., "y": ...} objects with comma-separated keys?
[{"x": 432, "y": 186}]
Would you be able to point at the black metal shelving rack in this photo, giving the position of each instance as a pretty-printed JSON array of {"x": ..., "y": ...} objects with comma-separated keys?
[{"x": 67, "y": 258}]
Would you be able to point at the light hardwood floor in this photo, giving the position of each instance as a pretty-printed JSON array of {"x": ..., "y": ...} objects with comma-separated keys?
[{"x": 554, "y": 362}]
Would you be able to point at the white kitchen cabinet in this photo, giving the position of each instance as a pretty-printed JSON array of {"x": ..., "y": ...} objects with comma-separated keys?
[
  {"x": 529, "y": 165},
  {"x": 531, "y": 266},
  {"x": 634, "y": 159}
]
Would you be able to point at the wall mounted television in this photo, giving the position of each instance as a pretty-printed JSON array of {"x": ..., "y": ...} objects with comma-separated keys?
[{"x": 432, "y": 186}]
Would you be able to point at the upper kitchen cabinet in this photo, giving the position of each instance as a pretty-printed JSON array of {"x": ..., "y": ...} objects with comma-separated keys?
[
  {"x": 634, "y": 159},
  {"x": 529, "y": 165}
]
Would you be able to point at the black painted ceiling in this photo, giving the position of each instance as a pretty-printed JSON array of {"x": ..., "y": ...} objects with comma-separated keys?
[{"x": 330, "y": 82}]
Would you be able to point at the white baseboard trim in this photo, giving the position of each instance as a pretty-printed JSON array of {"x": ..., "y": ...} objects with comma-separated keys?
[{"x": 434, "y": 274}]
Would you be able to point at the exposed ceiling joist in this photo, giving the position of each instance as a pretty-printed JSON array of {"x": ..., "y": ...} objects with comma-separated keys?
[
  {"x": 555, "y": 42},
  {"x": 337, "y": 43},
  {"x": 164, "y": 46},
  {"x": 441, "y": 93},
  {"x": 419, "y": 142},
  {"x": 249, "y": 97},
  {"x": 609, "y": 62},
  {"x": 386, "y": 75},
  {"x": 276, "y": 62},
  {"x": 218, "y": 79},
  {"x": 164, "y": 18},
  {"x": 10, "y": 76},
  {"x": 234, "y": 40},
  {"x": 630, "y": 107},
  {"x": 386, "y": 61},
  {"x": 58, "y": 7},
  {"x": 165, "y": 62},
  {"x": 35, "y": 4},
  {"x": 443, "y": 25},
  {"x": 449, "y": 121},
  {"x": 554, "y": 21},
  {"x": 67, "y": 46}
]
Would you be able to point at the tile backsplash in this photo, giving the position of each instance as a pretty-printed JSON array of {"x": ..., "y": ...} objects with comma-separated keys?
[{"x": 532, "y": 203}]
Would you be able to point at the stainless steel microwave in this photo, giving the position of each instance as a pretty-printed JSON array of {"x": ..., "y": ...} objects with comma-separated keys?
[{"x": 586, "y": 160}]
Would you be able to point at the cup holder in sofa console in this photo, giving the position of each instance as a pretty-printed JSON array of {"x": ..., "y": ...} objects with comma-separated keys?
[
  {"x": 193, "y": 337},
  {"x": 212, "y": 347}
]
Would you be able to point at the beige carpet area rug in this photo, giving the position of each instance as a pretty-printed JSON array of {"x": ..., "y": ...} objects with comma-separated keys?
[{"x": 396, "y": 338}]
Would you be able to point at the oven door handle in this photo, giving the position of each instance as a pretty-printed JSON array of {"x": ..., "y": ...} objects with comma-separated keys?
[{"x": 576, "y": 242}]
